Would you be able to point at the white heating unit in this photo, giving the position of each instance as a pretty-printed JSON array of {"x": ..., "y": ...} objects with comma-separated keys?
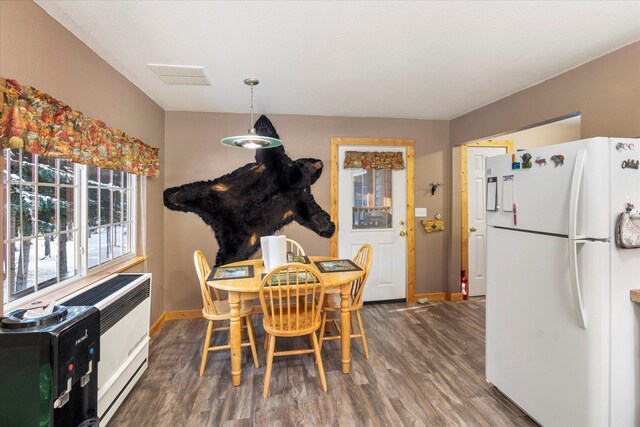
[{"x": 124, "y": 303}]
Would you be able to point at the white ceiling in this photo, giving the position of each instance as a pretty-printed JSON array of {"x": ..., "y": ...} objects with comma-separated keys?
[{"x": 369, "y": 59}]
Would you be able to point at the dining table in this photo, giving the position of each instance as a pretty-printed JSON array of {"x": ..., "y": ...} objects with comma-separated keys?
[{"x": 243, "y": 289}]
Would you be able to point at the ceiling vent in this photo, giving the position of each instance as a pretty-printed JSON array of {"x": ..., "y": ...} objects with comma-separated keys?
[{"x": 180, "y": 74}]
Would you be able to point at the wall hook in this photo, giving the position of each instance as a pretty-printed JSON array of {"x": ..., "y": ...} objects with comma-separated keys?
[{"x": 434, "y": 186}]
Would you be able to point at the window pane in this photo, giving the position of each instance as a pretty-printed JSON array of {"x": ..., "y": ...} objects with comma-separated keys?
[
  {"x": 67, "y": 255},
  {"x": 105, "y": 177},
  {"x": 126, "y": 199},
  {"x": 25, "y": 207},
  {"x": 117, "y": 241},
  {"x": 67, "y": 208},
  {"x": 14, "y": 161},
  {"x": 47, "y": 274},
  {"x": 92, "y": 175},
  {"x": 46, "y": 209},
  {"x": 105, "y": 206},
  {"x": 46, "y": 170},
  {"x": 105, "y": 244},
  {"x": 22, "y": 256},
  {"x": 126, "y": 241},
  {"x": 117, "y": 178},
  {"x": 67, "y": 172},
  {"x": 28, "y": 161},
  {"x": 117, "y": 206},
  {"x": 92, "y": 203},
  {"x": 93, "y": 248},
  {"x": 372, "y": 198}
]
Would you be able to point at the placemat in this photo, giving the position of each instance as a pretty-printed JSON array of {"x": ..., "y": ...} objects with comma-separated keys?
[
  {"x": 338, "y": 265},
  {"x": 230, "y": 273}
]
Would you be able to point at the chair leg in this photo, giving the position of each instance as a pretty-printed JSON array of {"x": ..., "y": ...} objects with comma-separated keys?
[
  {"x": 353, "y": 325},
  {"x": 205, "y": 349},
  {"x": 364, "y": 339},
  {"x": 252, "y": 341},
  {"x": 267, "y": 376},
  {"x": 316, "y": 347},
  {"x": 322, "y": 326},
  {"x": 266, "y": 341}
]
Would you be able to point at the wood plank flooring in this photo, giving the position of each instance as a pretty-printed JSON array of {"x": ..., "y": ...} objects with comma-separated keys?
[{"x": 426, "y": 367}]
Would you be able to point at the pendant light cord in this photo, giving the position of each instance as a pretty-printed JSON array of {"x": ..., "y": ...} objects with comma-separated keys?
[{"x": 251, "y": 124}]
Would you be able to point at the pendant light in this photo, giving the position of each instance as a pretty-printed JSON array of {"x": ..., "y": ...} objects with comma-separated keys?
[{"x": 252, "y": 140}]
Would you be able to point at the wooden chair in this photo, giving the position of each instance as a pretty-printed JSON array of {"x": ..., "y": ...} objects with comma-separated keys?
[
  {"x": 295, "y": 248},
  {"x": 291, "y": 297},
  {"x": 332, "y": 301},
  {"x": 220, "y": 310}
]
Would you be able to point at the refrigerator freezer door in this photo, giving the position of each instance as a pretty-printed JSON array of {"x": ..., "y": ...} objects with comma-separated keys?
[
  {"x": 537, "y": 354},
  {"x": 543, "y": 193}
]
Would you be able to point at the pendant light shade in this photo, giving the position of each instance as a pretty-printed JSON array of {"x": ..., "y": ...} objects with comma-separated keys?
[{"x": 251, "y": 140}]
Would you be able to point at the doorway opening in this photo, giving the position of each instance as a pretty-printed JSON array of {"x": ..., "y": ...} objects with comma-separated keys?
[{"x": 467, "y": 248}]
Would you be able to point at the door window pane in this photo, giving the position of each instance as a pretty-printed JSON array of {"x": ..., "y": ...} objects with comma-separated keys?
[{"x": 372, "y": 199}]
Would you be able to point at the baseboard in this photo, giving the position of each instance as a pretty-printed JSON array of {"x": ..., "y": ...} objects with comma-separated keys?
[
  {"x": 174, "y": 315},
  {"x": 183, "y": 314},
  {"x": 439, "y": 296},
  {"x": 154, "y": 328}
]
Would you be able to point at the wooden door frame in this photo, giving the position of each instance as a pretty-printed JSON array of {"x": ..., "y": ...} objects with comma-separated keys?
[
  {"x": 409, "y": 144},
  {"x": 464, "y": 196}
]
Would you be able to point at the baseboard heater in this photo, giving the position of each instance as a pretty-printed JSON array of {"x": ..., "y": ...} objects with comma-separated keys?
[{"x": 124, "y": 302}]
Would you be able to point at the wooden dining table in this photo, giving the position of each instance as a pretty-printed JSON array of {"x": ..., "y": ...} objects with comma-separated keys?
[{"x": 243, "y": 289}]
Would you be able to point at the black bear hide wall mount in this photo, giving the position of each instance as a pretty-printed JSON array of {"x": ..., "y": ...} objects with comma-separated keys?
[{"x": 255, "y": 200}]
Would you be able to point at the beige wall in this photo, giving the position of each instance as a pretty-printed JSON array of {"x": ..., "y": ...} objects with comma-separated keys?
[
  {"x": 606, "y": 91},
  {"x": 36, "y": 50},
  {"x": 195, "y": 153}
]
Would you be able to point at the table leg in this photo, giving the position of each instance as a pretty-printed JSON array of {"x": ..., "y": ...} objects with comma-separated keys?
[
  {"x": 234, "y": 338},
  {"x": 345, "y": 326}
]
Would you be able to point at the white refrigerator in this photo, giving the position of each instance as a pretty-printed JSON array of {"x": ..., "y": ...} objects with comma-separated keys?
[{"x": 562, "y": 336}]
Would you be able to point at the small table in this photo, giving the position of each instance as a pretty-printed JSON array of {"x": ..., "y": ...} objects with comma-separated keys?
[{"x": 247, "y": 289}]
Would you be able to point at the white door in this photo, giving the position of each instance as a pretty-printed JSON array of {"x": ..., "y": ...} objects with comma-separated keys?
[
  {"x": 372, "y": 208},
  {"x": 476, "y": 197}
]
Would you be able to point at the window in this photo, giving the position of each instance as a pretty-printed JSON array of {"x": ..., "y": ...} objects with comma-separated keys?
[
  {"x": 372, "y": 198},
  {"x": 61, "y": 220}
]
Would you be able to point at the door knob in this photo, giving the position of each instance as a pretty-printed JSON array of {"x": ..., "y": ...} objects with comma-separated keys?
[
  {"x": 472, "y": 229},
  {"x": 402, "y": 233}
]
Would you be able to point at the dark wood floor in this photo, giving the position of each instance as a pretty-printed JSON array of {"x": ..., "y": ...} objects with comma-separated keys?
[{"x": 426, "y": 367}]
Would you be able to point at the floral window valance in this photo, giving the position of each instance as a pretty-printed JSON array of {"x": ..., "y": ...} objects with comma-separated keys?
[
  {"x": 40, "y": 124},
  {"x": 392, "y": 160}
]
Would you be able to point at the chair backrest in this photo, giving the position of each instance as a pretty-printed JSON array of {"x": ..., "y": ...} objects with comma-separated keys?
[
  {"x": 291, "y": 297},
  {"x": 295, "y": 247},
  {"x": 363, "y": 258},
  {"x": 203, "y": 270}
]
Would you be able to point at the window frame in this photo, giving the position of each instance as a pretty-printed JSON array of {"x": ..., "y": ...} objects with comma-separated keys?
[{"x": 81, "y": 230}]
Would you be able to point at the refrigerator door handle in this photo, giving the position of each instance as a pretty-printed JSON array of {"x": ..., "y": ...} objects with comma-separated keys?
[
  {"x": 575, "y": 283},
  {"x": 574, "y": 198}
]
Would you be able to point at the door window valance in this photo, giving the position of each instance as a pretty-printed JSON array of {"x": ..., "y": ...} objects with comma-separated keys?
[
  {"x": 39, "y": 123},
  {"x": 392, "y": 160}
]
